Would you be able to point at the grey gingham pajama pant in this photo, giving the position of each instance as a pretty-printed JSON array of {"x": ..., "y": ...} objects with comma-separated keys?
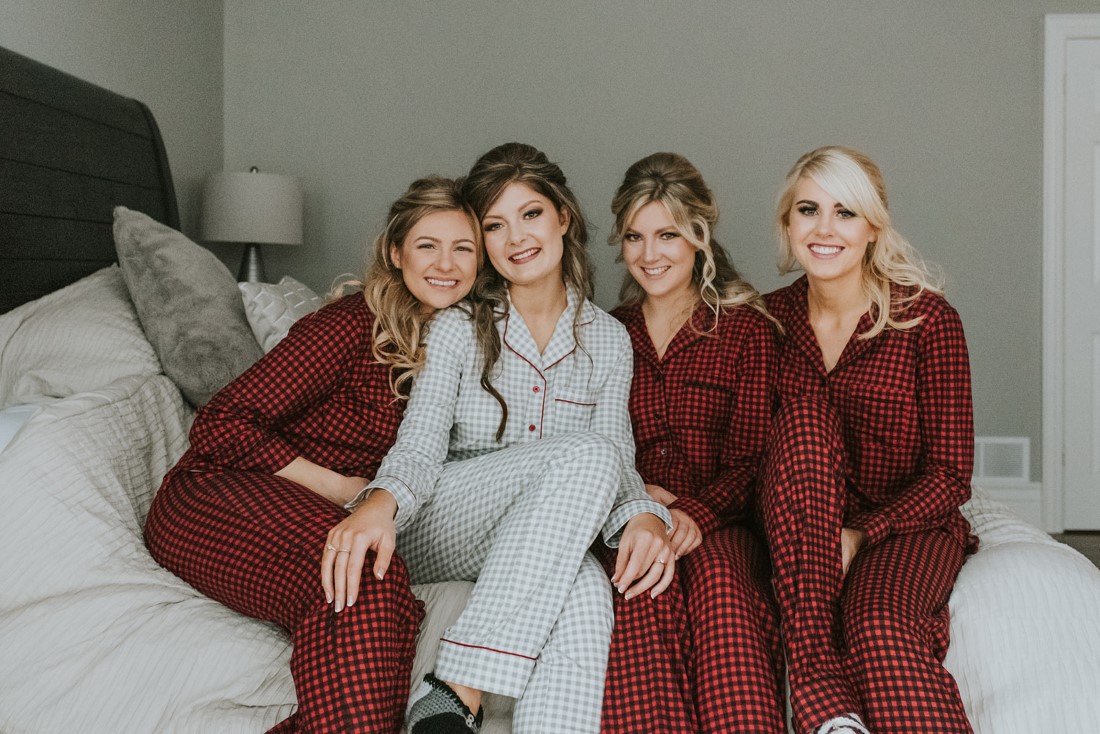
[{"x": 519, "y": 522}]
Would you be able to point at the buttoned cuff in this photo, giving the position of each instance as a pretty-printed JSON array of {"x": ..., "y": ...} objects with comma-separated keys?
[
  {"x": 699, "y": 511},
  {"x": 621, "y": 514}
]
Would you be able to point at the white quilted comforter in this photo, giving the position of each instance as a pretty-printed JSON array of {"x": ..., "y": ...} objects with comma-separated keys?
[{"x": 95, "y": 637}]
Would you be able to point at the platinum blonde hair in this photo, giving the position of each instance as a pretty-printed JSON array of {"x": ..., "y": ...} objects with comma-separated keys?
[{"x": 852, "y": 178}]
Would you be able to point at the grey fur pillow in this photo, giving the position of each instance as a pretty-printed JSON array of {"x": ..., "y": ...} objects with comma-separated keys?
[{"x": 188, "y": 304}]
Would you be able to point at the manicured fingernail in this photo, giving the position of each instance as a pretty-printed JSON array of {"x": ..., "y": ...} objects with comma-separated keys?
[
  {"x": 629, "y": 596},
  {"x": 380, "y": 574},
  {"x": 339, "y": 606},
  {"x": 619, "y": 589},
  {"x": 328, "y": 597},
  {"x": 615, "y": 579}
]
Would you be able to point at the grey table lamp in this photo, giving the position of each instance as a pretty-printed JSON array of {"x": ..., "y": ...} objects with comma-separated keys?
[{"x": 255, "y": 209}]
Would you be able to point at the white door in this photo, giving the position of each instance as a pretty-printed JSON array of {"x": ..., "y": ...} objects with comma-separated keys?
[{"x": 1082, "y": 285}]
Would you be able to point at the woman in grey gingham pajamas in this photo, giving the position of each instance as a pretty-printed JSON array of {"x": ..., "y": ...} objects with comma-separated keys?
[{"x": 507, "y": 468}]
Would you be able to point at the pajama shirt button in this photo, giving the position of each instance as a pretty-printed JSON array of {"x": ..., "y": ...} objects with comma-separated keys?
[
  {"x": 663, "y": 452},
  {"x": 531, "y": 427},
  {"x": 535, "y": 388}
]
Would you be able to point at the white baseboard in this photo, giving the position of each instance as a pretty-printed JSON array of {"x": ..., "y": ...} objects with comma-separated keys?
[{"x": 1023, "y": 498}]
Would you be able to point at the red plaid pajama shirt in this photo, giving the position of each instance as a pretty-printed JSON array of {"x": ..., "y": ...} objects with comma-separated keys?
[
  {"x": 884, "y": 443},
  {"x": 705, "y": 655},
  {"x": 223, "y": 521}
]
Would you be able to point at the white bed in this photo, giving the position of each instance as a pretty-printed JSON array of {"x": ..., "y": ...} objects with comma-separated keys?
[{"x": 95, "y": 637}]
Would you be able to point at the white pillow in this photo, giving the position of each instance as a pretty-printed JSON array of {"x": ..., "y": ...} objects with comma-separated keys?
[
  {"x": 271, "y": 308},
  {"x": 76, "y": 339}
]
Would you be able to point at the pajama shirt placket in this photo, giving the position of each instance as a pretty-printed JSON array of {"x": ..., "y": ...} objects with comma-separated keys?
[
  {"x": 223, "y": 522},
  {"x": 705, "y": 655},
  {"x": 881, "y": 443},
  {"x": 518, "y": 515}
]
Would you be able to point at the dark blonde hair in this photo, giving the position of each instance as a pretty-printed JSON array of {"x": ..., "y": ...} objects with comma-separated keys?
[
  {"x": 852, "y": 178},
  {"x": 399, "y": 323},
  {"x": 671, "y": 179},
  {"x": 493, "y": 172}
]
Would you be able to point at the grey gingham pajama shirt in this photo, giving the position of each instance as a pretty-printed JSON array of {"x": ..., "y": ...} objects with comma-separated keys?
[{"x": 518, "y": 516}]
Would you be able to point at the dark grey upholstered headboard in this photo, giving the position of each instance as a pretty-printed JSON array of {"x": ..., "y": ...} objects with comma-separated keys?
[{"x": 69, "y": 153}]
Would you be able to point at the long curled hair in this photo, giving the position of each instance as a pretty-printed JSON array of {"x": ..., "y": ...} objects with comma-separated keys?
[
  {"x": 400, "y": 323},
  {"x": 852, "y": 178},
  {"x": 671, "y": 179},
  {"x": 492, "y": 173}
]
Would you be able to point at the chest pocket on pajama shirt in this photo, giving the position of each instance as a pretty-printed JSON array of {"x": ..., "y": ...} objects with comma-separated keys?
[
  {"x": 573, "y": 411},
  {"x": 878, "y": 414},
  {"x": 703, "y": 406}
]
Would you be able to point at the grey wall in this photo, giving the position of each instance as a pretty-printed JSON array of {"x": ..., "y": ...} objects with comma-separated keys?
[
  {"x": 168, "y": 54},
  {"x": 359, "y": 98}
]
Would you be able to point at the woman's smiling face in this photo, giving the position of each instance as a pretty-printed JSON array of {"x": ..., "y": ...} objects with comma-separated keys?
[
  {"x": 523, "y": 236},
  {"x": 658, "y": 256},
  {"x": 828, "y": 240},
  {"x": 438, "y": 259}
]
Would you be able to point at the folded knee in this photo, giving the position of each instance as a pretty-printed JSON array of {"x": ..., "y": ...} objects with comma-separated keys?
[
  {"x": 589, "y": 448},
  {"x": 874, "y": 627}
]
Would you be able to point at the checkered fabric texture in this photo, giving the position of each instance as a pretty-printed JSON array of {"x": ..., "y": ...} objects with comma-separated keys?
[
  {"x": 705, "y": 655},
  {"x": 320, "y": 395},
  {"x": 566, "y": 388},
  {"x": 253, "y": 541},
  {"x": 883, "y": 442},
  {"x": 518, "y": 515},
  {"x": 518, "y": 522},
  {"x": 905, "y": 412}
]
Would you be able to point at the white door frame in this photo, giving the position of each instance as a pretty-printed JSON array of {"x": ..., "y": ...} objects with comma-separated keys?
[{"x": 1059, "y": 30}]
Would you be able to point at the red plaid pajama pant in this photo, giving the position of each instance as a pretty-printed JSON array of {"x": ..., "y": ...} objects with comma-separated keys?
[
  {"x": 704, "y": 656},
  {"x": 871, "y": 643},
  {"x": 253, "y": 541}
]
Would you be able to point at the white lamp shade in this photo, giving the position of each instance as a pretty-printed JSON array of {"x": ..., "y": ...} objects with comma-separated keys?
[{"x": 265, "y": 208}]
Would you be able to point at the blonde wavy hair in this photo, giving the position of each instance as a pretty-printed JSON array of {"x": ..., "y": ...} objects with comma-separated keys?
[
  {"x": 852, "y": 178},
  {"x": 671, "y": 179},
  {"x": 400, "y": 324}
]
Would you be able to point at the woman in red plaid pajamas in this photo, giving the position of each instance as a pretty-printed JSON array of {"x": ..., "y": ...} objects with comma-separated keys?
[
  {"x": 706, "y": 655},
  {"x": 869, "y": 460},
  {"x": 245, "y": 515}
]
